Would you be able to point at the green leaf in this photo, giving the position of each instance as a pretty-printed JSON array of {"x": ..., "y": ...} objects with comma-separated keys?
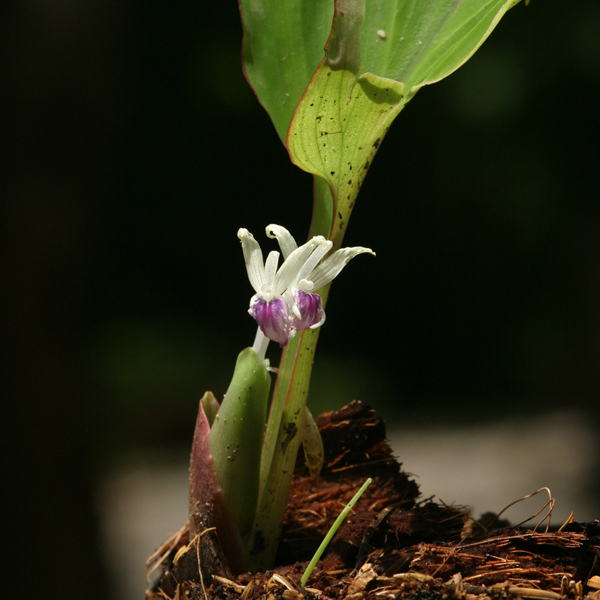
[
  {"x": 236, "y": 438},
  {"x": 422, "y": 41},
  {"x": 283, "y": 44},
  {"x": 207, "y": 507},
  {"x": 404, "y": 45},
  {"x": 416, "y": 42},
  {"x": 312, "y": 442},
  {"x": 336, "y": 132}
]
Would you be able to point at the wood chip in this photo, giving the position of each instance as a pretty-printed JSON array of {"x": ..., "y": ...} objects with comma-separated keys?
[
  {"x": 248, "y": 590},
  {"x": 284, "y": 581},
  {"x": 364, "y": 577},
  {"x": 228, "y": 583},
  {"x": 524, "y": 592},
  {"x": 412, "y": 577},
  {"x": 594, "y": 582},
  {"x": 356, "y": 596}
]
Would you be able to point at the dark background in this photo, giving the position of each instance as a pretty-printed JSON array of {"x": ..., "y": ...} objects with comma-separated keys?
[{"x": 134, "y": 150}]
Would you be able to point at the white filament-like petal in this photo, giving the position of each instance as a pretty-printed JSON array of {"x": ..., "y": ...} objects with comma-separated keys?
[
  {"x": 288, "y": 272},
  {"x": 331, "y": 268},
  {"x": 271, "y": 267},
  {"x": 253, "y": 258},
  {"x": 286, "y": 242},
  {"x": 315, "y": 258}
]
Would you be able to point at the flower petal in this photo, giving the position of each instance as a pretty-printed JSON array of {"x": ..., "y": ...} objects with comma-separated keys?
[
  {"x": 286, "y": 242},
  {"x": 253, "y": 258},
  {"x": 271, "y": 267},
  {"x": 273, "y": 318},
  {"x": 315, "y": 258},
  {"x": 331, "y": 268},
  {"x": 310, "y": 307},
  {"x": 288, "y": 271}
]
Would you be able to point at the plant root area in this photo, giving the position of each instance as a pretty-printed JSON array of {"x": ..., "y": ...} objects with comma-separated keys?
[{"x": 391, "y": 546}]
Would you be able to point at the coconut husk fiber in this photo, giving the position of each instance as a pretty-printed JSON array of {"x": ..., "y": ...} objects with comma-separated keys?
[{"x": 393, "y": 545}]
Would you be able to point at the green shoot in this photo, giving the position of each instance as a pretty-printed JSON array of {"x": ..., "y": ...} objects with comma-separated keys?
[{"x": 332, "y": 532}]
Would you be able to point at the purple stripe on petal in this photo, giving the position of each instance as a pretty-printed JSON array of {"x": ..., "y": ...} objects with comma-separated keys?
[
  {"x": 311, "y": 310},
  {"x": 274, "y": 319}
]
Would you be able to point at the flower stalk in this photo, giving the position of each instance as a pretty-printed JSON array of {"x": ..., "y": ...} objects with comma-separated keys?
[
  {"x": 282, "y": 441},
  {"x": 287, "y": 407}
]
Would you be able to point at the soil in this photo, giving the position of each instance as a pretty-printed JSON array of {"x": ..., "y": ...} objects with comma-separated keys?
[{"x": 392, "y": 545}]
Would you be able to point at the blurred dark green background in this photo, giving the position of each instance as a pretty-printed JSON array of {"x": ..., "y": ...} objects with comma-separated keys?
[{"x": 134, "y": 150}]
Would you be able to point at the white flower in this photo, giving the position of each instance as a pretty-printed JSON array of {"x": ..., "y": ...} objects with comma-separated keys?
[{"x": 286, "y": 300}]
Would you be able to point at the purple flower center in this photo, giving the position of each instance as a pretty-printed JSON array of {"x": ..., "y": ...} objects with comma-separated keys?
[
  {"x": 311, "y": 310},
  {"x": 273, "y": 318}
]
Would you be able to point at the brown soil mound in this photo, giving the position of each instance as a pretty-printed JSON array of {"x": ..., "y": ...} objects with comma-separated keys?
[{"x": 391, "y": 546}]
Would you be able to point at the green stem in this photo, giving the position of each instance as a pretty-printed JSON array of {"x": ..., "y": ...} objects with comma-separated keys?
[
  {"x": 289, "y": 401},
  {"x": 286, "y": 415},
  {"x": 284, "y": 376}
]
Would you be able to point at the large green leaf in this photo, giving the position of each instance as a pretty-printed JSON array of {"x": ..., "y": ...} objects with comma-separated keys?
[
  {"x": 283, "y": 45},
  {"x": 422, "y": 41},
  {"x": 415, "y": 42},
  {"x": 336, "y": 132},
  {"x": 404, "y": 45}
]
